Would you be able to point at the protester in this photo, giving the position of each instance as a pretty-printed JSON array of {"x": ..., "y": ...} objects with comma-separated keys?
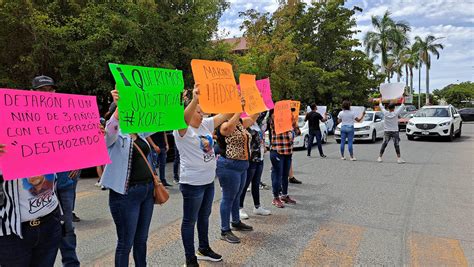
[
  {"x": 33, "y": 232},
  {"x": 198, "y": 169},
  {"x": 255, "y": 170},
  {"x": 281, "y": 150},
  {"x": 234, "y": 143},
  {"x": 131, "y": 190},
  {"x": 159, "y": 143},
  {"x": 348, "y": 117},
  {"x": 314, "y": 118},
  {"x": 176, "y": 164},
  {"x": 66, "y": 189},
  {"x": 291, "y": 176},
  {"x": 390, "y": 127}
]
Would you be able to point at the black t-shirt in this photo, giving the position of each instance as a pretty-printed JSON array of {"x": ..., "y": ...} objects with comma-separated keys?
[
  {"x": 140, "y": 173},
  {"x": 159, "y": 139},
  {"x": 313, "y": 119}
]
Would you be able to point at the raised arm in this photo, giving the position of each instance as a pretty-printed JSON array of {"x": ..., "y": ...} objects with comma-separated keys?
[
  {"x": 221, "y": 118},
  {"x": 247, "y": 122},
  {"x": 112, "y": 126},
  {"x": 229, "y": 126},
  {"x": 361, "y": 117},
  {"x": 190, "y": 109}
]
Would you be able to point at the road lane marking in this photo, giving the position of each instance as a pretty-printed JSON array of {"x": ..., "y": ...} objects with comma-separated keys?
[
  {"x": 428, "y": 250},
  {"x": 335, "y": 244}
]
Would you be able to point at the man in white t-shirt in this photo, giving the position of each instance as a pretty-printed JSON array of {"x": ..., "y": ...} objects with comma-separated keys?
[{"x": 198, "y": 170}]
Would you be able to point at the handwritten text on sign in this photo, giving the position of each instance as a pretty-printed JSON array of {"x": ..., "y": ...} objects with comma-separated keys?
[
  {"x": 218, "y": 89},
  {"x": 150, "y": 98},
  {"x": 253, "y": 100},
  {"x": 49, "y": 132},
  {"x": 283, "y": 117}
]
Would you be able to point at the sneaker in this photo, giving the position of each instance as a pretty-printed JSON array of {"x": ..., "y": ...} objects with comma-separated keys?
[
  {"x": 288, "y": 200},
  {"x": 308, "y": 155},
  {"x": 230, "y": 237},
  {"x": 243, "y": 215},
  {"x": 261, "y": 211},
  {"x": 248, "y": 189},
  {"x": 400, "y": 161},
  {"x": 353, "y": 159},
  {"x": 192, "y": 262},
  {"x": 277, "y": 203},
  {"x": 293, "y": 180},
  {"x": 208, "y": 255},
  {"x": 323, "y": 156},
  {"x": 98, "y": 184},
  {"x": 379, "y": 159},
  {"x": 176, "y": 181},
  {"x": 240, "y": 226},
  {"x": 343, "y": 158},
  {"x": 264, "y": 186},
  {"x": 75, "y": 218}
]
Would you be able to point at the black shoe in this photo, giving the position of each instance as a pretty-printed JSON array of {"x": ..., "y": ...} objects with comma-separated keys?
[
  {"x": 193, "y": 262},
  {"x": 75, "y": 218},
  {"x": 240, "y": 226},
  {"x": 165, "y": 183},
  {"x": 308, "y": 155},
  {"x": 208, "y": 255},
  {"x": 293, "y": 180},
  {"x": 230, "y": 237},
  {"x": 176, "y": 180},
  {"x": 323, "y": 156}
]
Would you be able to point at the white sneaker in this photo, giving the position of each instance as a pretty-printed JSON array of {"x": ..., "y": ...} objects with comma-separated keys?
[
  {"x": 353, "y": 159},
  {"x": 243, "y": 215},
  {"x": 379, "y": 159},
  {"x": 400, "y": 161},
  {"x": 261, "y": 211},
  {"x": 248, "y": 189},
  {"x": 343, "y": 158},
  {"x": 98, "y": 184}
]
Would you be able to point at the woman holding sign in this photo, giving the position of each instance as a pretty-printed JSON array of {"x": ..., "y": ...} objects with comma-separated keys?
[
  {"x": 347, "y": 117},
  {"x": 234, "y": 142},
  {"x": 131, "y": 189},
  {"x": 198, "y": 170}
]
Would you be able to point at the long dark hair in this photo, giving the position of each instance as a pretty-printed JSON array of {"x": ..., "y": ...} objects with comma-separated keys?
[{"x": 346, "y": 105}]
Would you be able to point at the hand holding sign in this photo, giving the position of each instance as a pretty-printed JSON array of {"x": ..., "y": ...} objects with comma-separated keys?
[
  {"x": 250, "y": 93},
  {"x": 391, "y": 91},
  {"x": 218, "y": 87},
  {"x": 283, "y": 117}
]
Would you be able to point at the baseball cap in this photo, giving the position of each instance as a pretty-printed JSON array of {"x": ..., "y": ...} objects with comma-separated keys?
[{"x": 40, "y": 81}]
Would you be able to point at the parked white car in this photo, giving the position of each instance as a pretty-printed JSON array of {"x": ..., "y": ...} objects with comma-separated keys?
[
  {"x": 301, "y": 141},
  {"x": 370, "y": 128},
  {"x": 436, "y": 121},
  {"x": 330, "y": 124}
]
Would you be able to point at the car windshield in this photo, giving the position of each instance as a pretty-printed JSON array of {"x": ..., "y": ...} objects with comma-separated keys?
[
  {"x": 369, "y": 117},
  {"x": 432, "y": 112},
  {"x": 407, "y": 116},
  {"x": 301, "y": 122}
]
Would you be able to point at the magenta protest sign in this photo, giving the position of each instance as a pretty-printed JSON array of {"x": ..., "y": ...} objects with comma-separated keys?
[
  {"x": 264, "y": 88},
  {"x": 49, "y": 132}
]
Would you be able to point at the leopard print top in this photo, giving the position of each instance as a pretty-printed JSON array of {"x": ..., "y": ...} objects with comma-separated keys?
[{"x": 237, "y": 144}]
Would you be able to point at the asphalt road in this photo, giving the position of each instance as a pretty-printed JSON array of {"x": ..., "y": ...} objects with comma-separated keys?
[{"x": 348, "y": 213}]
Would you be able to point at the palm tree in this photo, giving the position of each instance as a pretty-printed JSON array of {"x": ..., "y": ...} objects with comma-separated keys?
[
  {"x": 388, "y": 35},
  {"x": 410, "y": 59},
  {"x": 424, "y": 48}
]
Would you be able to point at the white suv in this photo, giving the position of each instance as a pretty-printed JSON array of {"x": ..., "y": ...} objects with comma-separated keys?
[{"x": 437, "y": 121}]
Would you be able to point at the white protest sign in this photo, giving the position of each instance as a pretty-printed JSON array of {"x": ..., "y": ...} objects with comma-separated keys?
[
  {"x": 322, "y": 110},
  {"x": 308, "y": 109},
  {"x": 358, "y": 110},
  {"x": 392, "y": 90}
]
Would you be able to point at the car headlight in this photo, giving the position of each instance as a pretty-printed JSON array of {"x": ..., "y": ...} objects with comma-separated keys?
[
  {"x": 411, "y": 123},
  {"x": 444, "y": 123},
  {"x": 366, "y": 128}
]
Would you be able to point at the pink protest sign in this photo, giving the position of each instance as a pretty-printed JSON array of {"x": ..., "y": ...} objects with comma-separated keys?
[
  {"x": 49, "y": 132},
  {"x": 264, "y": 88}
]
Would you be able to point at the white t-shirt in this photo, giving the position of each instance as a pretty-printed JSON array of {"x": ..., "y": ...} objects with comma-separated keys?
[
  {"x": 390, "y": 123},
  {"x": 347, "y": 117},
  {"x": 196, "y": 151},
  {"x": 37, "y": 197}
]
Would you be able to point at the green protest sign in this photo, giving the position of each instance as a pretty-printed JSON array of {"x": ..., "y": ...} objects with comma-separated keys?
[{"x": 150, "y": 98}]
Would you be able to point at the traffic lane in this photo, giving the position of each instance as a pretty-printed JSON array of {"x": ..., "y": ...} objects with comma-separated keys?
[{"x": 334, "y": 192}]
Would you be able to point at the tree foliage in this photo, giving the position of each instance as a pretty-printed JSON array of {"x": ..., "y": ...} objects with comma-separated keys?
[{"x": 458, "y": 95}]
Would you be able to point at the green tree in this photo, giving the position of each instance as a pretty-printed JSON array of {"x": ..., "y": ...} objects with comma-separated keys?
[
  {"x": 425, "y": 47},
  {"x": 458, "y": 95}
]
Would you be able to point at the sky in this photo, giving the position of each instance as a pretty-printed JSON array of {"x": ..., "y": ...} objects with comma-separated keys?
[{"x": 451, "y": 19}]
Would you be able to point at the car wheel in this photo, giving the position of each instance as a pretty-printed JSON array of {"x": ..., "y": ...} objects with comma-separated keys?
[
  {"x": 305, "y": 142},
  {"x": 374, "y": 136},
  {"x": 410, "y": 137},
  {"x": 458, "y": 134},
  {"x": 451, "y": 134}
]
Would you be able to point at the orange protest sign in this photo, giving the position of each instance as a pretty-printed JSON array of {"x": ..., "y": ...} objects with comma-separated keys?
[
  {"x": 218, "y": 89},
  {"x": 283, "y": 118},
  {"x": 296, "y": 105},
  {"x": 253, "y": 99}
]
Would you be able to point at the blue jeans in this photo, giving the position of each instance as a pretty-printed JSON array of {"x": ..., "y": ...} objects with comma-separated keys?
[
  {"x": 254, "y": 176},
  {"x": 159, "y": 162},
  {"x": 280, "y": 170},
  {"x": 232, "y": 176},
  {"x": 197, "y": 206},
  {"x": 311, "y": 137},
  {"x": 347, "y": 131},
  {"x": 176, "y": 163},
  {"x": 68, "y": 244},
  {"x": 132, "y": 216},
  {"x": 38, "y": 247}
]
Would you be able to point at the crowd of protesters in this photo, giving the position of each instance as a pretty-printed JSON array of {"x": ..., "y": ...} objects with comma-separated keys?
[{"x": 225, "y": 146}]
